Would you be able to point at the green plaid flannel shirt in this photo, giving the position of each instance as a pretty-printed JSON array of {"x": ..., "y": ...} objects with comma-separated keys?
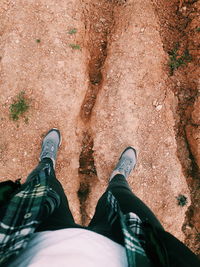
[{"x": 25, "y": 210}]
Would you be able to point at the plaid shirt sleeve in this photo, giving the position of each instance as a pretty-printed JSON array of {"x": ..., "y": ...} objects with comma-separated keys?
[{"x": 23, "y": 214}]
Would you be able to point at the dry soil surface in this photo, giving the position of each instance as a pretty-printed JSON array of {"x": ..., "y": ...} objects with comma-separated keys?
[{"x": 99, "y": 71}]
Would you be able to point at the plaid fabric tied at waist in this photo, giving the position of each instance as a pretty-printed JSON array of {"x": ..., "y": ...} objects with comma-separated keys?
[
  {"x": 24, "y": 212},
  {"x": 35, "y": 200},
  {"x": 131, "y": 227}
]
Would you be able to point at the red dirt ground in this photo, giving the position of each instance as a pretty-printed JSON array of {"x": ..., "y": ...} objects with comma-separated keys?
[{"x": 105, "y": 86}]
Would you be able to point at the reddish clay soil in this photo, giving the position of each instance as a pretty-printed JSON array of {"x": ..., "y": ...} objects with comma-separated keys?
[{"x": 106, "y": 85}]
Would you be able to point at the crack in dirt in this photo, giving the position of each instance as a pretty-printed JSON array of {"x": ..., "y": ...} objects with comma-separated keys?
[
  {"x": 87, "y": 173},
  {"x": 86, "y": 159},
  {"x": 99, "y": 23}
]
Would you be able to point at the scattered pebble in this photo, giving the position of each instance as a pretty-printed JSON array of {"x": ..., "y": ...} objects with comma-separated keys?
[
  {"x": 159, "y": 107},
  {"x": 98, "y": 25},
  {"x": 102, "y": 20},
  {"x": 155, "y": 103}
]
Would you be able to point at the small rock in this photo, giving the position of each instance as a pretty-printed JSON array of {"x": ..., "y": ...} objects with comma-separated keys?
[
  {"x": 142, "y": 30},
  {"x": 102, "y": 20},
  {"x": 155, "y": 103},
  {"x": 159, "y": 107},
  {"x": 98, "y": 25}
]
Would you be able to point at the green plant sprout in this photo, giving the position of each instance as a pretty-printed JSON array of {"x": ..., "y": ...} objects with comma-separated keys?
[
  {"x": 75, "y": 46},
  {"x": 19, "y": 107},
  {"x": 176, "y": 60},
  {"x": 72, "y": 31},
  {"x": 182, "y": 200}
]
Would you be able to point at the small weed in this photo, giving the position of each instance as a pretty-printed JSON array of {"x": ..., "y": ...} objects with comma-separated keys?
[
  {"x": 38, "y": 41},
  {"x": 75, "y": 46},
  {"x": 19, "y": 106},
  {"x": 176, "y": 60},
  {"x": 72, "y": 31},
  {"x": 198, "y": 29},
  {"x": 182, "y": 200}
]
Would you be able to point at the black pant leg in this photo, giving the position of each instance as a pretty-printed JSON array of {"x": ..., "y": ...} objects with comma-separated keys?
[
  {"x": 128, "y": 202},
  {"x": 62, "y": 216}
]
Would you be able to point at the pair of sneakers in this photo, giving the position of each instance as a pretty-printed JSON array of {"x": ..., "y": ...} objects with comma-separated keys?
[{"x": 52, "y": 141}]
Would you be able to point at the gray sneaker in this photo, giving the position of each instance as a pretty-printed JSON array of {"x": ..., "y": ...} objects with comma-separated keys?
[
  {"x": 126, "y": 163},
  {"x": 50, "y": 145}
]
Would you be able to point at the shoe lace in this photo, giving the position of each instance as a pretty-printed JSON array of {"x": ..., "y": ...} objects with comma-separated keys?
[
  {"x": 48, "y": 148},
  {"x": 125, "y": 165}
]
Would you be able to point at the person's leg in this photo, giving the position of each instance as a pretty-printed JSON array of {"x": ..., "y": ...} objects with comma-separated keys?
[
  {"x": 62, "y": 216},
  {"x": 128, "y": 202}
]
